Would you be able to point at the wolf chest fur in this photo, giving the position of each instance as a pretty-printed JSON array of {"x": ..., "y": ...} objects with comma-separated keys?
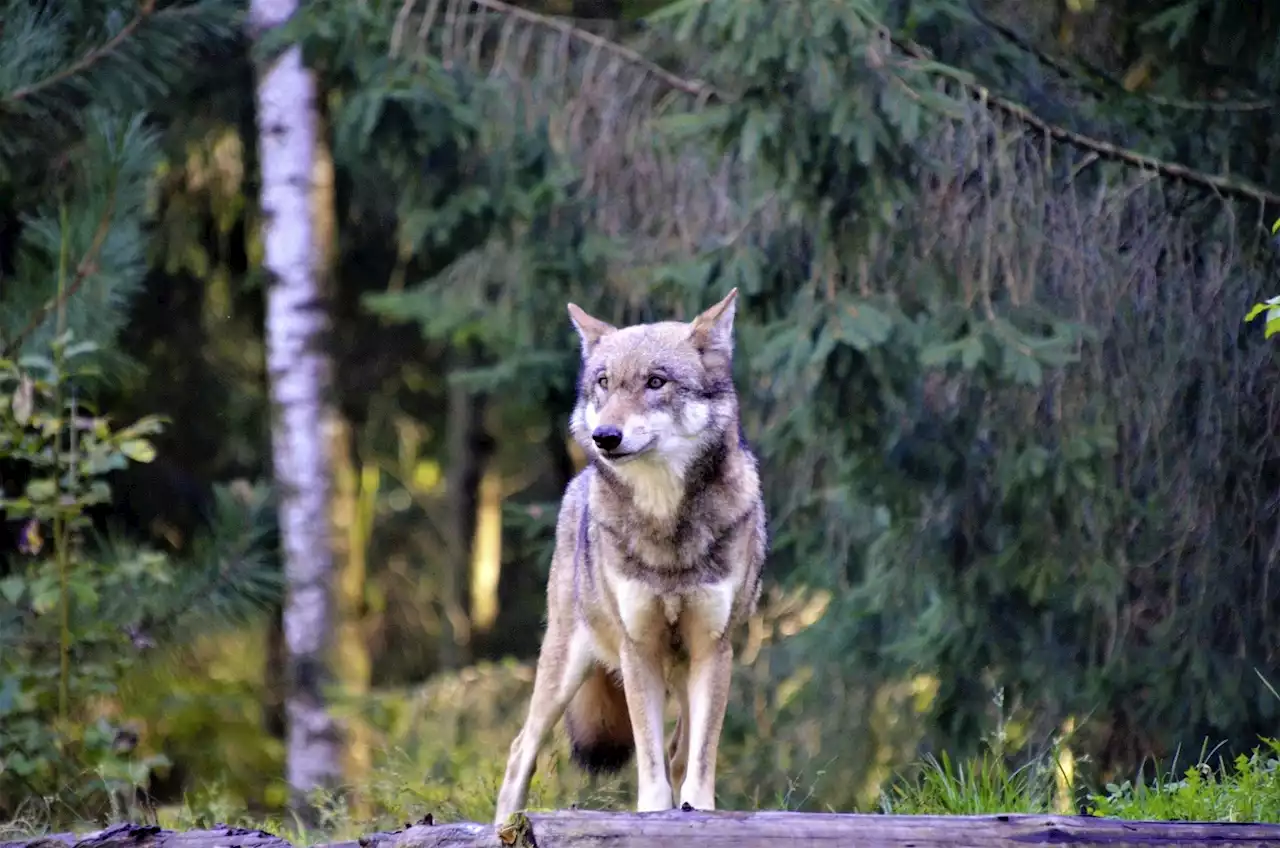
[{"x": 660, "y": 543}]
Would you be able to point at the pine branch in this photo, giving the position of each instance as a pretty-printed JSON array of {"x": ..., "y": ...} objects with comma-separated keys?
[
  {"x": 230, "y": 572},
  {"x": 59, "y": 64},
  {"x": 87, "y": 61},
  {"x": 95, "y": 215},
  {"x": 85, "y": 268}
]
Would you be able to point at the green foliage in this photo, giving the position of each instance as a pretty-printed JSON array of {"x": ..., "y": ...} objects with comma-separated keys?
[
  {"x": 1011, "y": 456},
  {"x": 63, "y": 616},
  {"x": 89, "y": 232},
  {"x": 74, "y": 616},
  {"x": 1246, "y": 790},
  {"x": 1272, "y": 305},
  {"x": 482, "y": 209},
  {"x": 62, "y": 62},
  {"x": 982, "y": 786},
  {"x": 820, "y": 98},
  {"x": 78, "y": 154},
  {"x": 942, "y": 322}
]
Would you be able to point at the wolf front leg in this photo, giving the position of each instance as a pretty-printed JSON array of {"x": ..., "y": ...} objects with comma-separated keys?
[
  {"x": 678, "y": 747},
  {"x": 642, "y": 679},
  {"x": 710, "y": 667},
  {"x": 563, "y": 664}
]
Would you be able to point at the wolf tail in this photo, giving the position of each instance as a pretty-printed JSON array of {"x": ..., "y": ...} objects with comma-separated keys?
[{"x": 598, "y": 724}]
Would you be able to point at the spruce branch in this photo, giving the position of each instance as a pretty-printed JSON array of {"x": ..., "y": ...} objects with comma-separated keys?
[
  {"x": 1102, "y": 83},
  {"x": 614, "y": 91},
  {"x": 566, "y": 28},
  {"x": 1172, "y": 171},
  {"x": 597, "y": 100}
]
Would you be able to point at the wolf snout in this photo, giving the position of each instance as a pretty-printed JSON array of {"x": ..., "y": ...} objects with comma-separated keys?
[{"x": 607, "y": 437}]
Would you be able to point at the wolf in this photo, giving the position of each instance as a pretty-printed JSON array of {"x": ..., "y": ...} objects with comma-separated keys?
[{"x": 660, "y": 545}]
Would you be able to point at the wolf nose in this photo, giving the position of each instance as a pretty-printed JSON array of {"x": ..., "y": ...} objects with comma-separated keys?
[{"x": 607, "y": 437}]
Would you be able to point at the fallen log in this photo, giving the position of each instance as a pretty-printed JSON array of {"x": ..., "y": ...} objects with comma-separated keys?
[{"x": 583, "y": 829}]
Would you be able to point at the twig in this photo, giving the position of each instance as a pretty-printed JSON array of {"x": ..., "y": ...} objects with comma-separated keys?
[
  {"x": 1104, "y": 149},
  {"x": 89, "y": 59},
  {"x": 694, "y": 88}
]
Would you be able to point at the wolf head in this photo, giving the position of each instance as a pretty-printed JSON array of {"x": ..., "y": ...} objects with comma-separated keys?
[{"x": 654, "y": 398}]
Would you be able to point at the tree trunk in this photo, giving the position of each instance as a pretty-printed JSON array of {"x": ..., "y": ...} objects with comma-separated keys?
[
  {"x": 299, "y": 379},
  {"x": 353, "y": 505},
  {"x": 469, "y": 447},
  {"x": 354, "y": 493}
]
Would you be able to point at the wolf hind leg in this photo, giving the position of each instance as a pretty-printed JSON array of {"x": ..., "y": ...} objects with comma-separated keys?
[{"x": 563, "y": 664}]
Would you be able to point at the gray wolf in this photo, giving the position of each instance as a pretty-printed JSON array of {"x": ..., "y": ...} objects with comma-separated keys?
[{"x": 660, "y": 544}]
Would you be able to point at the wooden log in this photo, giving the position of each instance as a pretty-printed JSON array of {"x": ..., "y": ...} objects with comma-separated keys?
[
  {"x": 583, "y": 829},
  {"x": 147, "y": 836}
]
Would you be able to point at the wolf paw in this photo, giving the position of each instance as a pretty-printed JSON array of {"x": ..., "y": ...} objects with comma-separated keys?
[{"x": 515, "y": 831}]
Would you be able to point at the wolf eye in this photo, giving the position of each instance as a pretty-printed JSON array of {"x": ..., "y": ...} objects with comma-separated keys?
[
  {"x": 656, "y": 382},
  {"x": 602, "y": 382}
]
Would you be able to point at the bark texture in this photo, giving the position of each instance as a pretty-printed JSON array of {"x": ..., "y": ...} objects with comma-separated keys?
[
  {"x": 299, "y": 377},
  {"x": 580, "y": 829}
]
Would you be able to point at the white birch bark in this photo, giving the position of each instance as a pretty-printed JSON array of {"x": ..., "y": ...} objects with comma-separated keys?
[{"x": 299, "y": 374}]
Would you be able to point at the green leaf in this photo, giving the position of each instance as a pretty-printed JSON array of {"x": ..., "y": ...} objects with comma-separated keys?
[
  {"x": 37, "y": 362},
  {"x": 19, "y": 764},
  {"x": 79, "y": 349},
  {"x": 148, "y": 425},
  {"x": 1258, "y": 309},
  {"x": 24, "y": 400},
  {"x": 44, "y": 489},
  {"x": 9, "y": 692},
  {"x": 139, "y": 450},
  {"x": 12, "y": 588},
  {"x": 45, "y": 598},
  {"x": 85, "y": 593}
]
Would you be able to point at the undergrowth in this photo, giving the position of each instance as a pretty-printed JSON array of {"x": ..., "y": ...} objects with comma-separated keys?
[{"x": 1246, "y": 789}]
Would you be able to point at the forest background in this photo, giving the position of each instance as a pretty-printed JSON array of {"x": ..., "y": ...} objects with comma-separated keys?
[{"x": 994, "y": 259}]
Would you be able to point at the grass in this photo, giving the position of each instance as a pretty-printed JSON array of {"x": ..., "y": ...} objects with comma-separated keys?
[{"x": 1246, "y": 789}]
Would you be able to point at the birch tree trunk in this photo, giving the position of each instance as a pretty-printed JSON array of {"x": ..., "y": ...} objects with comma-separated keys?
[{"x": 299, "y": 375}]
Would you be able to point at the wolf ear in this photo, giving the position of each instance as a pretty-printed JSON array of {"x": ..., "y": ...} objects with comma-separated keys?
[
  {"x": 713, "y": 329},
  {"x": 591, "y": 330}
]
